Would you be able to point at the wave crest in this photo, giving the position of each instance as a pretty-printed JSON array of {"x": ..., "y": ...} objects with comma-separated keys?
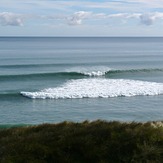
[{"x": 90, "y": 71}]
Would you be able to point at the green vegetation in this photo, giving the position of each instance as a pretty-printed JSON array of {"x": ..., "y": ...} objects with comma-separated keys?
[{"x": 87, "y": 142}]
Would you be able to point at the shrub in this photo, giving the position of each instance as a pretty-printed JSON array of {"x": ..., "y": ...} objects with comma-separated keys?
[{"x": 97, "y": 141}]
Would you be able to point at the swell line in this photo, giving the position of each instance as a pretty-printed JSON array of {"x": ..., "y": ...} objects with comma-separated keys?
[
  {"x": 116, "y": 72},
  {"x": 77, "y": 74},
  {"x": 41, "y": 75},
  {"x": 9, "y": 95},
  {"x": 33, "y": 65}
]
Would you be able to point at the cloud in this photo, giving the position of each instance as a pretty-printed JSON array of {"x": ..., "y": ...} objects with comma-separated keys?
[
  {"x": 77, "y": 17},
  {"x": 144, "y": 18},
  {"x": 150, "y": 18},
  {"x": 147, "y": 19},
  {"x": 10, "y": 19}
]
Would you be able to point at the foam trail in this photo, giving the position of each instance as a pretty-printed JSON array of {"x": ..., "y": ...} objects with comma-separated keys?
[{"x": 95, "y": 88}]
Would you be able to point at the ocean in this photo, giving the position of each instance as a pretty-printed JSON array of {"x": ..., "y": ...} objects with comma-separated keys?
[{"x": 54, "y": 79}]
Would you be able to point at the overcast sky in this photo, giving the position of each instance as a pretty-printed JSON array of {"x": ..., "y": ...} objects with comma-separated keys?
[{"x": 81, "y": 18}]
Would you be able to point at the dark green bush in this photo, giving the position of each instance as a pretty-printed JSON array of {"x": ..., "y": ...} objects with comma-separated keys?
[{"x": 98, "y": 141}]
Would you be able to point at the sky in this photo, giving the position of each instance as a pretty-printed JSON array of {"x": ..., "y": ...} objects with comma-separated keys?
[{"x": 81, "y": 18}]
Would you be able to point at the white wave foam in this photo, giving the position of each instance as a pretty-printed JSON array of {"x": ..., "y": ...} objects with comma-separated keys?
[
  {"x": 91, "y": 71},
  {"x": 94, "y": 88}
]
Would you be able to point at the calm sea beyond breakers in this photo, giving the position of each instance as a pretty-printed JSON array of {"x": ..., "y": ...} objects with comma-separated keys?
[{"x": 50, "y": 79}]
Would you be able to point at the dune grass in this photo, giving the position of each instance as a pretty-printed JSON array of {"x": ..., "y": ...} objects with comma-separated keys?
[{"x": 86, "y": 142}]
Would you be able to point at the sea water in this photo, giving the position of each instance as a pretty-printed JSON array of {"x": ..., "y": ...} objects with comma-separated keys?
[{"x": 50, "y": 79}]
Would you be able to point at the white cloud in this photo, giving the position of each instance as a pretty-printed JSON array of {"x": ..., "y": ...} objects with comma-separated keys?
[
  {"x": 150, "y": 18},
  {"x": 147, "y": 19},
  {"x": 10, "y": 19},
  {"x": 77, "y": 17},
  {"x": 144, "y": 18},
  {"x": 84, "y": 15}
]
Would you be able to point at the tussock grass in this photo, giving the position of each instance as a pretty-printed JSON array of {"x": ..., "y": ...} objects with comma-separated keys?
[{"x": 92, "y": 142}]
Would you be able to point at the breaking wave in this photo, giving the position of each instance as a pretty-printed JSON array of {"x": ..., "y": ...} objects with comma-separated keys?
[
  {"x": 91, "y": 71},
  {"x": 98, "y": 88}
]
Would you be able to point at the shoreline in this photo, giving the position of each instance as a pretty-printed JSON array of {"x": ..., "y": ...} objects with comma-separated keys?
[{"x": 154, "y": 123}]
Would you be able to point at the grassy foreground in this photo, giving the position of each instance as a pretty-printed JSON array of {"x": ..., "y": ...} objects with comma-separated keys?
[{"x": 86, "y": 142}]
